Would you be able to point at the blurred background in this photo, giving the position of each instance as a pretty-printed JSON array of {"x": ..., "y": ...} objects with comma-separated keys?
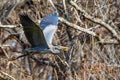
[{"x": 89, "y": 57}]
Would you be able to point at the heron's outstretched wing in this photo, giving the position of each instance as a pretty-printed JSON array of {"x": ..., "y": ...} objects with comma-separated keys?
[
  {"x": 33, "y": 32},
  {"x": 49, "y": 26},
  {"x": 49, "y": 19}
]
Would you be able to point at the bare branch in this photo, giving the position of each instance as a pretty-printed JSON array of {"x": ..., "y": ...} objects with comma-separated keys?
[
  {"x": 103, "y": 41},
  {"x": 7, "y": 26},
  {"x": 110, "y": 41},
  {"x": 77, "y": 27},
  {"x": 96, "y": 20},
  {"x": 6, "y": 76}
]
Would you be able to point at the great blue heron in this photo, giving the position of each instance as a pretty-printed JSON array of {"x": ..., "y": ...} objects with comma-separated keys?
[{"x": 40, "y": 37}]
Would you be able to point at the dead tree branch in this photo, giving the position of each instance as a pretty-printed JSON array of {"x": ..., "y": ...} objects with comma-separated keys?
[
  {"x": 6, "y": 76},
  {"x": 7, "y": 26},
  {"x": 95, "y": 20},
  {"x": 77, "y": 27}
]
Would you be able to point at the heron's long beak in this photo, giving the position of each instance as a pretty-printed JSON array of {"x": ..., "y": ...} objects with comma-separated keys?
[{"x": 65, "y": 48}]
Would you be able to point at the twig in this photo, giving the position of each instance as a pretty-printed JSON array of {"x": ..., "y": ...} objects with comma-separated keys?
[
  {"x": 64, "y": 4},
  {"x": 110, "y": 41},
  {"x": 96, "y": 20},
  {"x": 5, "y": 45},
  {"x": 103, "y": 41},
  {"x": 7, "y": 26},
  {"x": 117, "y": 65},
  {"x": 6, "y": 76},
  {"x": 77, "y": 27},
  {"x": 51, "y": 2},
  {"x": 27, "y": 64}
]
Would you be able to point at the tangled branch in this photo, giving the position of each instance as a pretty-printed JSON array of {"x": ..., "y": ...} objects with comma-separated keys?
[{"x": 95, "y": 20}]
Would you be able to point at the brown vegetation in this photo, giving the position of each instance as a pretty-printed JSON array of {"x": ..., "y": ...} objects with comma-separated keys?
[{"x": 90, "y": 27}]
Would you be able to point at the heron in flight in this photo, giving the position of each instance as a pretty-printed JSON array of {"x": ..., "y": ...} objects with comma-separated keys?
[{"x": 40, "y": 37}]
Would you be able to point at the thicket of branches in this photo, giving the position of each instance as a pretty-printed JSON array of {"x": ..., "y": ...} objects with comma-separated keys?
[{"x": 91, "y": 29}]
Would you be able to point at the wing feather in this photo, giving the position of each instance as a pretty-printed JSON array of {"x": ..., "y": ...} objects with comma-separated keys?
[{"x": 33, "y": 32}]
